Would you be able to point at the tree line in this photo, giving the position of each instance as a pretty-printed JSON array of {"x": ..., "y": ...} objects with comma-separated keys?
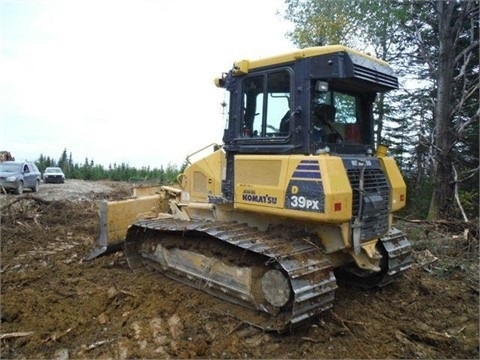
[
  {"x": 116, "y": 172},
  {"x": 431, "y": 123}
]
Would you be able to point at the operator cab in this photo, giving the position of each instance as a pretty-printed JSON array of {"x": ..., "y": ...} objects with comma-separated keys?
[{"x": 316, "y": 101}]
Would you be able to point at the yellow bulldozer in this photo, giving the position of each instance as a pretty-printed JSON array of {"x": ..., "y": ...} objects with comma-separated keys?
[{"x": 295, "y": 197}]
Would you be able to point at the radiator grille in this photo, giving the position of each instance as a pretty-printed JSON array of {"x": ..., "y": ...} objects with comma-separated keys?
[{"x": 376, "y": 194}]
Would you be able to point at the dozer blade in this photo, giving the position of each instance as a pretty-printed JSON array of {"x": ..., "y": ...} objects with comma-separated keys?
[
  {"x": 276, "y": 282},
  {"x": 105, "y": 250},
  {"x": 115, "y": 217}
]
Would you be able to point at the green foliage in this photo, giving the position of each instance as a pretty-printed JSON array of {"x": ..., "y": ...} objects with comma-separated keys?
[
  {"x": 419, "y": 194},
  {"x": 63, "y": 161},
  {"x": 366, "y": 24},
  {"x": 122, "y": 172},
  {"x": 320, "y": 22},
  {"x": 469, "y": 200}
]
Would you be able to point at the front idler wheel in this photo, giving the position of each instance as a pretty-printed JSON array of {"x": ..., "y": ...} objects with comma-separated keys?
[{"x": 276, "y": 288}]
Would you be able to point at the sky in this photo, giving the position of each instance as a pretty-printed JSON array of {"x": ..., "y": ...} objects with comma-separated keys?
[{"x": 124, "y": 81}]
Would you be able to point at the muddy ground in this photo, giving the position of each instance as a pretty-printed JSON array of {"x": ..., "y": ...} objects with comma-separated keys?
[{"x": 55, "y": 305}]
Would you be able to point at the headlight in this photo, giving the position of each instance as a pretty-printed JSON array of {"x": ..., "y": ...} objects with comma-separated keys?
[{"x": 11, "y": 178}]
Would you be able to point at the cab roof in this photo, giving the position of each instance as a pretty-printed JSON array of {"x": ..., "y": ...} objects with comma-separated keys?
[{"x": 243, "y": 66}]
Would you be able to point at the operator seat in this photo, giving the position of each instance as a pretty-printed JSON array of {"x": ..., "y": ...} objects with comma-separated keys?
[
  {"x": 324, "y": 118},
  {"x": 324, "y": 114}
]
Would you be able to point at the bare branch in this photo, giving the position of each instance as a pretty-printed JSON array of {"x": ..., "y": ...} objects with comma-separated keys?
[
  {"x": 16, "y": 334},
  {"x": 464, "y": 98},
  {"x": 471, "y": 173},
  {"x": 25, "y": 197},
  {"x": 457, "y": 198},
  {"x": 462, "y": 128},
  {"x": 467, "y": 50},
  {"x": 457, "y": 26},
  {"x": 421, "y": 44},
  {"x": 464, "y": 66}
]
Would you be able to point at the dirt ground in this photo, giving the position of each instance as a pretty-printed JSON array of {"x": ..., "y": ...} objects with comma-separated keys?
[{"x": 55, "y": 305}]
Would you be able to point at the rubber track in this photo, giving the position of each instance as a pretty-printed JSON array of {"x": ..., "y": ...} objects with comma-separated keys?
[{"x": 311, "y": 275}]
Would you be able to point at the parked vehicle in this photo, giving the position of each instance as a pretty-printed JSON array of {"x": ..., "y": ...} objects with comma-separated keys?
[
  {"x": 15, "y": 176},
  {"x": 53, "y": 174}
]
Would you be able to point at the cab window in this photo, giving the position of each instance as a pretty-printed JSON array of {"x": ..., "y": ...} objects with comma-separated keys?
[
  {"x": 346, "y": 108},
  {"x": 266, "y": 101},
  {"x": 336, "y": 117}
]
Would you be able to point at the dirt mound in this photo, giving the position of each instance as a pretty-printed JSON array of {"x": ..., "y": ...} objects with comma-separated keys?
[{"x": 56, "y": 305}]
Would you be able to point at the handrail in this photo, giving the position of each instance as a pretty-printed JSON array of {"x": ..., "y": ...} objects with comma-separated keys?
[{"x": 196, "y": 152}]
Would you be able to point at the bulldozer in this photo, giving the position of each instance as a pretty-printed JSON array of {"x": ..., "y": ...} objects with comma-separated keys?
[{"x": 296, "y": 198}]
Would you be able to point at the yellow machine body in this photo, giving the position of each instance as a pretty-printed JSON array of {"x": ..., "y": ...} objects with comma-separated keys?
[
  {"x": 294, "y": 197},
  {"x": 271, "y": 187}
]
